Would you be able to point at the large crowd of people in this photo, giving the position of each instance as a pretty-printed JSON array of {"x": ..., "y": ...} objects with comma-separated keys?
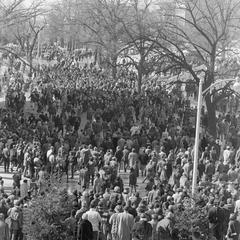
[{"x": 98, "y": 128}]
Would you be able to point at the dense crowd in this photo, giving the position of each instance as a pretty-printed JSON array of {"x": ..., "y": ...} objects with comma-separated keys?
[{"x": 99, "y": 128}]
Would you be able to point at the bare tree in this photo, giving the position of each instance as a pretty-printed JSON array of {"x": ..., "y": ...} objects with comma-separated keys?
[
  {"x": 195, "y": 38},
  {"x": 22, "y": 26},
  {"x": 101, "y": 23},
  {"x": 27, "y": 36},
  {"x": 95, "y": 23},
  {"x": 137, "y": 26},
  {"x": 16, "y": 11}
]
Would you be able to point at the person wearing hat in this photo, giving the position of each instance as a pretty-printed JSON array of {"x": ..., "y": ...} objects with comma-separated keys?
[
  {"x": 142, "y": 230},
  {"x": 142, "y": 208},
  {"x": 233, "y": 230}
]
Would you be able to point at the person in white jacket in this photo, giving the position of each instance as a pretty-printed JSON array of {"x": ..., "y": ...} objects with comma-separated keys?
[{"x": 24, "y": 189}]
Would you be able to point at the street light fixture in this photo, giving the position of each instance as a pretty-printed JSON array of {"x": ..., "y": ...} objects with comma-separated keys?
[{"x": 236, "y": 87}]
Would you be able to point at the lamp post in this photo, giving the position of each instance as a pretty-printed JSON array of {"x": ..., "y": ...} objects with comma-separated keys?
[
  {"x": 196, "y": 146},
  {"x": 236, "y": 87}
]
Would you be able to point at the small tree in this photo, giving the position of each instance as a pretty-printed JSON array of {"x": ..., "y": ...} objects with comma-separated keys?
[
  {"x": 43, "y": 217},
  {"x": 19, "y": 25},
  {"x": 98, "y": 22},
  {"x": 191, "y": 216},
  {"x": 136, "y": 27},
  {"x": 27, "y": 36}
]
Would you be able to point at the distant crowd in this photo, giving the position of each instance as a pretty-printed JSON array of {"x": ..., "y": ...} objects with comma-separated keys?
[{"x": 98, "y": 128}]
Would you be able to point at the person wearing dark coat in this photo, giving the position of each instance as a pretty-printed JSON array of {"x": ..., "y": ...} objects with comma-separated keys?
[
  {"x": 228, "y": 209},
  {"x": 165, "y": 227},
  {"x": 85, "y": 230},
  {"x": 216, "y": 219},
  {"x": 142, "y": 230}
]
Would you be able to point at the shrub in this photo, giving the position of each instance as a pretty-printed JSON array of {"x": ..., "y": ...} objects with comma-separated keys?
[
  {"x": 42, "y": 219},
  {"x": 190, "y": 216}
]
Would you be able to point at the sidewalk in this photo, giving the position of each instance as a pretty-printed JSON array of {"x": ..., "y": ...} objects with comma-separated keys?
[{"x": 73, "y": 183}]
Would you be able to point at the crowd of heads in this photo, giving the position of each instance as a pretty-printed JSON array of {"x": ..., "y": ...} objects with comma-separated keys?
[{"x": 100, "y": 129}]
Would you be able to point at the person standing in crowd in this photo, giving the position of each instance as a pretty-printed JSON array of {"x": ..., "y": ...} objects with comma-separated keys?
[
  {"x": 114, "y": 223},
  {"x": 125, "y": 224},
  {"x": 119, "y": 156},
  {"x": 24, "y": 188},
  {"x": 97, "y": 184},
  {"x": 125, "y": 158},
  {"x": 154, "y": 223},
  {"x": 133, "y": 159},
  {"x": 16, "y": 179},
  {"x": 85, "y": 229},
  {"x": 233, "y": 230},
  {"x": 72, "y": 162},
  {"x": 16, "y": 221},
  {"x": 6, "y": 159},
  {"x": 94, "y": 218},
  {"x": 142, "y": 230},
  {"x": 71, "y": 225},
  {"x": 82, "y": 108},
  {"x": 215, "y": 221},
  {"x": 4, "y": 229},
  {"x": 132, "y": 180},
  {"x": 165, "y": 227}
]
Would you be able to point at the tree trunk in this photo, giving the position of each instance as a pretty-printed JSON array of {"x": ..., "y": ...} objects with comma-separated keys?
[
  {"x": 114, "y": 66},
  {"x": 139, "y": 83},
  {"x": 211, "y": 107},
  {"x": 30, "y": 60},
  {"x": 140, "y": 74},
  {"x": 212, "y": 120}
]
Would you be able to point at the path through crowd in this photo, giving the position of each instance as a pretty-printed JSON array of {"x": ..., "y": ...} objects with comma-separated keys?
[{"x": 73, "y": 183}]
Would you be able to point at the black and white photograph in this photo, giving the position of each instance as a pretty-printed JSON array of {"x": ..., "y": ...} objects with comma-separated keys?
[{"x": 119, "y": 119}]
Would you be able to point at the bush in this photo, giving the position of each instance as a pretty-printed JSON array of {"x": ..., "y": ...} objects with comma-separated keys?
[
  {"x": 191, "y": 216},
  {"x": 42, "y": 219}
]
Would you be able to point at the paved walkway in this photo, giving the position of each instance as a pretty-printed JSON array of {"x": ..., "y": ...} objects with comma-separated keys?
[{"x": 72, "y": 185}]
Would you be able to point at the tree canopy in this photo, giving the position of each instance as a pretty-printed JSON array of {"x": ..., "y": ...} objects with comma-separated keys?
[{"x": 194, "y": 37}]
